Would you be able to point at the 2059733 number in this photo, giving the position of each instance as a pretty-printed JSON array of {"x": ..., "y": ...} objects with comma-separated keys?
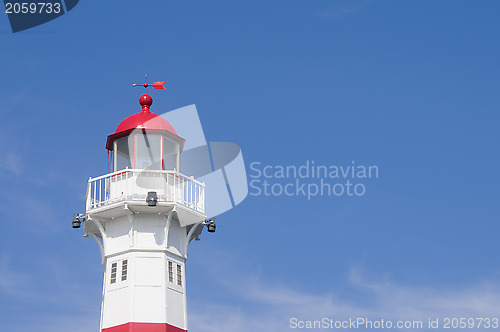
[
  {"x": 32, "y": 8},
  {"x": 470, "y": 323}
]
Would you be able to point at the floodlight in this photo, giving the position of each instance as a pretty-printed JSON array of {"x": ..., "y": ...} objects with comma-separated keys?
[{"x": 152, "y": 198}]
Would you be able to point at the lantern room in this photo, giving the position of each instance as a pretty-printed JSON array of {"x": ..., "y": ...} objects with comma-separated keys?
[{"x": 144, "y": 140}]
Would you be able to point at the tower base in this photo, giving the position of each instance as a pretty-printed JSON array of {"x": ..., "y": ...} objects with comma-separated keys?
[{"x": 144, "y": 327}]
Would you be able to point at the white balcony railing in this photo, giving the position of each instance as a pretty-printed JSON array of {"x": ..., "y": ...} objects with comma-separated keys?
[{"x": 134, "y": 185}]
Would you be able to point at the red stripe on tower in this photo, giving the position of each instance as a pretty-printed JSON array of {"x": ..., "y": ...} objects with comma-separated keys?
[{"x": 144, "y": 327}]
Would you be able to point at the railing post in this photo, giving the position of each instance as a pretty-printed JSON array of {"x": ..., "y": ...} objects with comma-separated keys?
[
  {"x": 88, "y": 194},
  {"x": 93, "y": 198},
  {"x": 175, "y": 188}
]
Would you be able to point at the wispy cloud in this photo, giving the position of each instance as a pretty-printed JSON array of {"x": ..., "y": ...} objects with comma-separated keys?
[
  {"x": 34, "y": 214},
  {"x": 251, "y": 302},
  {"x": 270, "y": 305},
  {"x": 65, "y": 301},
  {"x": 12, "y": 162},
  {"x": 12, "y": 283},
  {"x": 343, "y": 8},
  {"x": 11, "y": 159},
  {"x": 23, "y": 285},
  {"x": 25, "y": 97},
  {"x": 77, "y": 322}
]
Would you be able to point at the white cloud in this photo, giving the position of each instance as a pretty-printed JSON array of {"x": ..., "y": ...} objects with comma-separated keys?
[
  {"x": 12, "y": 162},
  {"x": 62, "y": 323},
  {"x": 251, "y": 302},
  {"x": 29, "y": 290},
  {"x": 268, "y": 306},
  {"x": 344, "y": 8},
  {"x": 13, "y": 283}
]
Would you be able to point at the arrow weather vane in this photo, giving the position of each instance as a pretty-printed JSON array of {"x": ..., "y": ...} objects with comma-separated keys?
[{"x": 156, "y": 85}]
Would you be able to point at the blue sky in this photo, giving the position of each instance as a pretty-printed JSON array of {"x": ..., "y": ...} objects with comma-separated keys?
[{"x": 409, "y": 86}]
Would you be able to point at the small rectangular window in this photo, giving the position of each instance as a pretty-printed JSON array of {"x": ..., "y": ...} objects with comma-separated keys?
[
  {"x": 170, "y": 272},
  {"x": 179, "y": 275},
  {"x": 113, "y": 273},
  {"x": 124, "y": 270}
]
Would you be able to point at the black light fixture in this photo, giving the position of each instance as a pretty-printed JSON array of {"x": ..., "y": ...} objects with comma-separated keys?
[
  {"x": 77, "y": 220},
  {"x": 210, "y": 225},
  {"x": 152, "y": 198}
]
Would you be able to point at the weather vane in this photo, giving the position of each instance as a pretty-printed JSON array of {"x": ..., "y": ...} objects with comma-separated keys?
[{"x": 156, "y": 85}]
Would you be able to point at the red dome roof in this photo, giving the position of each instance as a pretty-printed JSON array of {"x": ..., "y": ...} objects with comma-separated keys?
[
  {"x": 142, "y": 120},
  {"x": 146, "y": 120}
]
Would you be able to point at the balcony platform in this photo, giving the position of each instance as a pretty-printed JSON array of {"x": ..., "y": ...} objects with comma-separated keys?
[{"x": 125, "y": 191}]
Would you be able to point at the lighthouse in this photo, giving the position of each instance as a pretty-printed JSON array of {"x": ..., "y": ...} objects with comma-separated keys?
[{"x": 143, "y": 214}]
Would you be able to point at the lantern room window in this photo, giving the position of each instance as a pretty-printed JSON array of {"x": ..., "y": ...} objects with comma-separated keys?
[
  {"x": 122, "y": 159},
  {"x": 146, "y": 151},
  {"x": 170, "y": 154}
]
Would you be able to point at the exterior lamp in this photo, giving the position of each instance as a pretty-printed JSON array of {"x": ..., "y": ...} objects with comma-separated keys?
[
  {"x": 210, "y": 225},
  {"x": 77, "y": 220},
  {"x": 152, "y": 198}
]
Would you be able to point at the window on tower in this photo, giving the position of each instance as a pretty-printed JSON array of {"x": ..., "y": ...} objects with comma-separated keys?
[
  {"x": 124, "y": 270},
  {"x": 170, "y": 271},
  {"x": 113, "y": 272},
  {"x": 179, "y": 275}
]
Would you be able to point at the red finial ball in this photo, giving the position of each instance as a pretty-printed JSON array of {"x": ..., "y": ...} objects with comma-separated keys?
[{"x": 146, "y": 100}]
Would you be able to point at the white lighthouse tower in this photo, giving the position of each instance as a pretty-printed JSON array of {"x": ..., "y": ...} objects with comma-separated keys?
[{"x": 143, "y": 214}]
